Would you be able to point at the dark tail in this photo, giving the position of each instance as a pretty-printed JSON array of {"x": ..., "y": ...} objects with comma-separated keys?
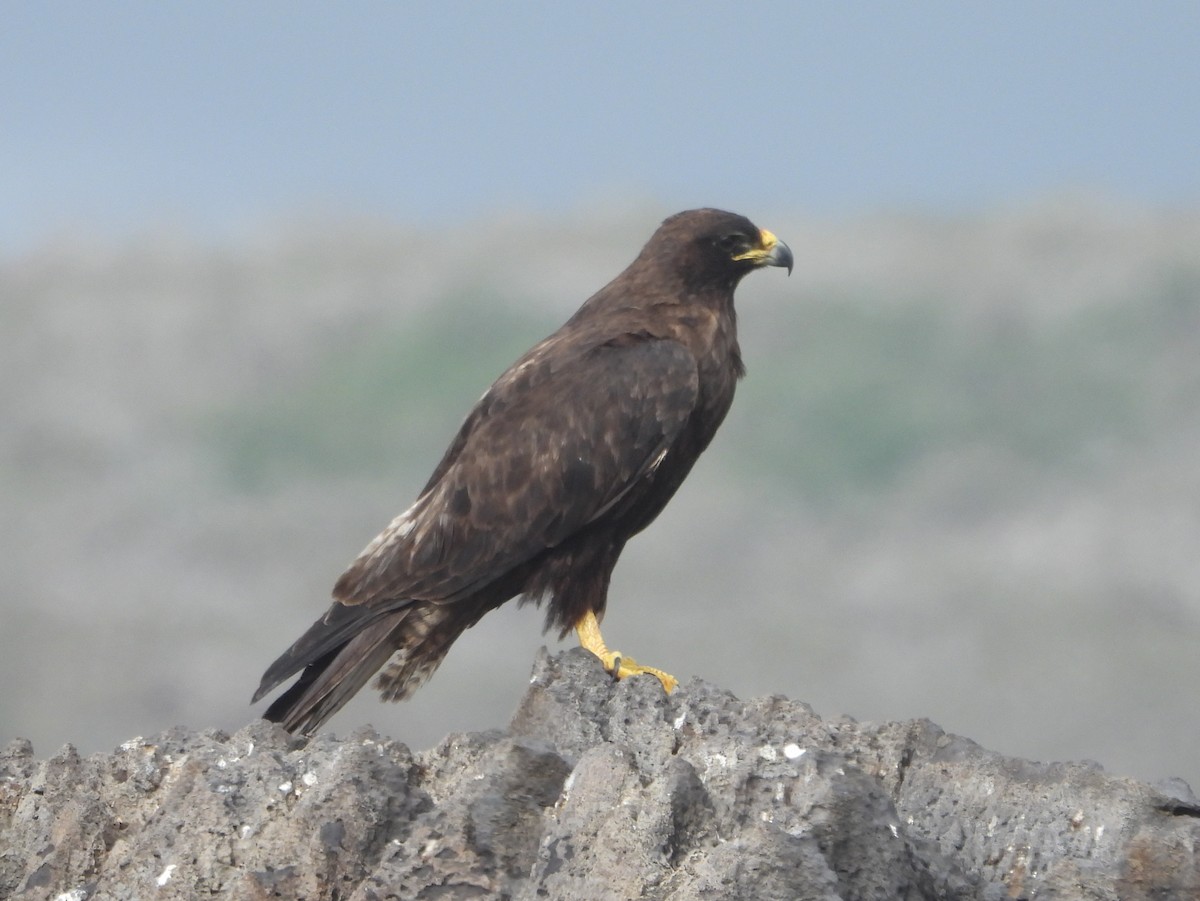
[{"x": 341, "y": 652}]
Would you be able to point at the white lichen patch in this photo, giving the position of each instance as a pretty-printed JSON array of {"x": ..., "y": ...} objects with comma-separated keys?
[
  {"x": 309, "y": 779},
  {"x": 165, "y": 876},
  {"x": 75, "y": 894},
  {"x": 565, "y": 794},
  {"x": 768, "y": 753}
]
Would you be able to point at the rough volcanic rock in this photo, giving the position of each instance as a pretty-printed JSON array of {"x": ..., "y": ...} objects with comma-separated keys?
[{"x": 596, "y": 791}]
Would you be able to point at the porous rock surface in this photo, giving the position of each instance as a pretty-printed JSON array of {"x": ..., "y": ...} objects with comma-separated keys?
[{"x": 596, "y": 791}]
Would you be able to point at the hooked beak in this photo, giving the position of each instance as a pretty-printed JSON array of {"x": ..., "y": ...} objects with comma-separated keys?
[
  {"x": 773, "y": 252},
  {"x": 778, "y": 253}
]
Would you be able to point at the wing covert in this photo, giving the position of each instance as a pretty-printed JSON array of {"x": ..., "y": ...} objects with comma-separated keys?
[{"x": 559, "y": 439}]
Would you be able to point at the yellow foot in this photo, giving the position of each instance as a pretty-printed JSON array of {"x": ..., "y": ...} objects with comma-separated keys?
[
  {"x": 614, "y": 662},
  {"x": 627, "y": 666}
]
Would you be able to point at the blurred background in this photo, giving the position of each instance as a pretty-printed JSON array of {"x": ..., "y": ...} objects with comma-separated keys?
[{"x": 257, "y": 261}]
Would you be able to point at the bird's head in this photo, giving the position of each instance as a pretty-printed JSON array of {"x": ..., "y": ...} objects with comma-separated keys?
[{"x": 717, "y": 247}]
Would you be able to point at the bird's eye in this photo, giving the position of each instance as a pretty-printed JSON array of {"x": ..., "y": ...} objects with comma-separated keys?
[{"x": 733, "y": 242}]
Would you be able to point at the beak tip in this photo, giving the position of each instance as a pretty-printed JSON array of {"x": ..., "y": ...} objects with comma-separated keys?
[{"x": 781, "y": 255}]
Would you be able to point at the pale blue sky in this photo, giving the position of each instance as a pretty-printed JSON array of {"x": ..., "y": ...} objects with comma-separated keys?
[{"x": 222, "y": 115}]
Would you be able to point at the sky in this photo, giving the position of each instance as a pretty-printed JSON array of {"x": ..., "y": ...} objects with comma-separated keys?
[{"x": 117, "y": 117}]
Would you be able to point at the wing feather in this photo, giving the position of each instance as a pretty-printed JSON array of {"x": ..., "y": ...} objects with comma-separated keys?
[{"x": 560, "y": 438}]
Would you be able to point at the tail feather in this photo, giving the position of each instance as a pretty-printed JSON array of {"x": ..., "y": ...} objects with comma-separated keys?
[
  {"x": 343, "y": 650},
  {"x": 329, "y": 634},
  {"x": 430, "y": 632},
  {"x": 331, "y": 680}
]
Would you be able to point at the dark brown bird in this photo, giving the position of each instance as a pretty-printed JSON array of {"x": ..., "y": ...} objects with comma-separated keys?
[{"x": 573, "y": 450}]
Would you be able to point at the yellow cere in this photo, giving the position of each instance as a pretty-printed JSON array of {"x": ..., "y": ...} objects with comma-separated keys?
[{"x": 758, "y": 253}]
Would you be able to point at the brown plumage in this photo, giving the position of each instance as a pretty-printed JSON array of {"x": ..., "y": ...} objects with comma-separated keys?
[{"x": 573, "y": 450}]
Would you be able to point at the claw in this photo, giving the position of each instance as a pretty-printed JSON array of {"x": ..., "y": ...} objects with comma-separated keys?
[{"x": 617, "y": 665}]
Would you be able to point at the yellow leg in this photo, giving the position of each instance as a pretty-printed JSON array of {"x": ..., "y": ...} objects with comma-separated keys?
[{"x": 620, "y": 666}]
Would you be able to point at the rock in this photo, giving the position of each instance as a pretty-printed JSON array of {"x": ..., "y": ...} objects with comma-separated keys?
[{"x": 596, "y": 791}]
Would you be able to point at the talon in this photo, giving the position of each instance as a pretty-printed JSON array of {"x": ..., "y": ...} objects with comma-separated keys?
[{"x": 618, "y": 666}]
